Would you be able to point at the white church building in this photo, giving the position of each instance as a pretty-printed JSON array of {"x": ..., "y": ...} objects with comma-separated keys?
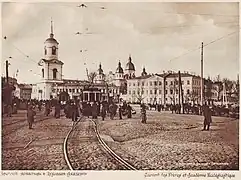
[{"x": 52, "y": 84}]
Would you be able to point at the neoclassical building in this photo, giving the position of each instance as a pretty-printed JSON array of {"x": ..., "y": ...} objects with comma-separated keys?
[{"x": 163, "y": 88}]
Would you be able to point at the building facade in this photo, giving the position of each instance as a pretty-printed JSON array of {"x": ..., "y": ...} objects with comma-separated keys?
[{"x": 151, "y": 88}]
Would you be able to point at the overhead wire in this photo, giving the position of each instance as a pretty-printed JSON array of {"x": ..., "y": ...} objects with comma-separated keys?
[
  {"x": 29, "y": 58},
  {"x": 204, "y": 45}
]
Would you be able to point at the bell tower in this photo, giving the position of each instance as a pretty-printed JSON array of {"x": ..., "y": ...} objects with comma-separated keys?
[{"x": 51, "y": 66}]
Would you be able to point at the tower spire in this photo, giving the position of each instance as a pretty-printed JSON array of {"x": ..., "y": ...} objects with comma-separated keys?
[{"x": 51, "y": 33}]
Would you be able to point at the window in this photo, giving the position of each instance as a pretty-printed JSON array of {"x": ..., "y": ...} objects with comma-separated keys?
[
  {"x": 142, "y": 91},
  {"x": 188, "y": 82},
  {"x": 160, "y": 83},
  {"x": 166, "y": 83},
  {"x": 182, "y": 82},
  {"x": 43, "y": 73},
  {"x": 142, "y": 83},
  {"x": 155, "y": 91},
  {"x": 150, "y": 99},
  {"x": 53, "y": 50},
  {"x": 129, "y": 84},
  {"x": 150, "y": 83},
  {"x": 150, "y": 91},
  {"x": 45, "y": 50},
  {"x": 166, "y": 92},
  {"x": 133, "y": 84},
  {"x": 155, "y": 83},
  {"x": 160, "y": 91},
  {"x": 54, "y": 73},
  {"x": 134, "y": 92},
  {"x": 73, "y": 90},
  {"x": 188, "y": 91},
  {"x": 138, "y": 84},
  {"x": 69, "y": 90},
  {"x": 171, "y": 82}
]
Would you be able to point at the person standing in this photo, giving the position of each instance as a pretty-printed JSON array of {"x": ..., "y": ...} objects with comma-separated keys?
[
  {"x": 47, "y": 108},
  {"x": 143, "y": 114},
  {"x": 120, "y": 112},
  {"x": 103, "y": 111},
  {"x": 94, "y": 110},
  {"x": 129, "y": 109},
  {"x": 9, "y": 110},
  {"x": 30, "y": 116},
  {"x": 111, "y": 109},
  {"x": 57, "y": 110},
  {"x": 74, "y": 111},
  {"x": 207, "y": 117}
]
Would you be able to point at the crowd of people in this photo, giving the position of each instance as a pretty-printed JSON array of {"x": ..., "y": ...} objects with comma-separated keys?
[
  {"x": 75, "y": 108},
  {"x": 196, "y": 109}
]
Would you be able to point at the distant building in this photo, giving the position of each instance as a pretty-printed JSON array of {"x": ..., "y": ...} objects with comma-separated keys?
[
  {"x": 23, "y": 91},
  {"x": 151, "y": 89}
]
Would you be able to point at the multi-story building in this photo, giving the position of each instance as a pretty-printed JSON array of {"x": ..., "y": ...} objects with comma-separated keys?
[{"x": 163, "y": 88}]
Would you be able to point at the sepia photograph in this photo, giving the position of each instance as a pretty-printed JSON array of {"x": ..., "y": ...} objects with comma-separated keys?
[{"x": 120, "y": 86}]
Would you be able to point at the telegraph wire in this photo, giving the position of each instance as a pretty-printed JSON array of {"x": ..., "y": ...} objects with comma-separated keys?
[
  {"x": 195, "y": 49},
  {"x": 28, "y": 57},
  {"x": 89, "y": 5}
]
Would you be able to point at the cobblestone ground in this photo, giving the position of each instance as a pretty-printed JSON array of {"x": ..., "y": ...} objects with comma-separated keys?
[
  {"x": 45, "y": 150},
  {"x": 173, "y": 141},
  {"x": 86, "y": 153}
]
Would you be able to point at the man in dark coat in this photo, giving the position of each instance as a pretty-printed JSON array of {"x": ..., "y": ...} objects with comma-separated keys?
[
  {"x": 47, "y": 108},
  {"x": 120, "y": 112},
  {"x": 112, "y": 109},
  {"x": 143, "y": 113},
  {"x": 207, "y": 117},
  {"x": 74, "y": 111},
  {"x": 94, "y": 110},
  {"x": 57, "y": 110},
  {"x": 103, "y": 111},
  {"x": 129, "y": 113},
  {"x": 9, "y": 110},
  {"x": 30, "y": 116}
]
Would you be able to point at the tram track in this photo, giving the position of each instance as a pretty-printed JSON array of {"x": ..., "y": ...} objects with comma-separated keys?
[
  {"x": 103, "y": 146},
  {"x": 110, "y": 151}
]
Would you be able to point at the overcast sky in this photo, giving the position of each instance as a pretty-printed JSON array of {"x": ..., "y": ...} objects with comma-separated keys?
[{"x": 153, "y": 33}]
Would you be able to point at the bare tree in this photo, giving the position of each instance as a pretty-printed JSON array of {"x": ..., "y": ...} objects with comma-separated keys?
[
  {"x": 92, "y": 77},
  {"x": 229, "y": 85},
  {"x": 139, "y": 95}
]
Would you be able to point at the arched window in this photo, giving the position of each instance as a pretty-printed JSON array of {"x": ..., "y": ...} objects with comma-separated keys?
[
  {"x": 45, "y": 50},
  {"x": 53, "y": 50},
  {"x": 42, "y": 73},
  {"x": 55, "y": 73}
]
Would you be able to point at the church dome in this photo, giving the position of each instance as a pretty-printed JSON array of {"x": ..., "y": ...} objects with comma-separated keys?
[
  {"x": 51, "y": 40},
  {"x": 100, "y": 70},
  {"x": 130, "y": 65},
  {"x": 119, "y": 69}
]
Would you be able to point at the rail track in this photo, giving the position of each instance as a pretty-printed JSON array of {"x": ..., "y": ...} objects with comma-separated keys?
[{"x": 107, "y": 149}]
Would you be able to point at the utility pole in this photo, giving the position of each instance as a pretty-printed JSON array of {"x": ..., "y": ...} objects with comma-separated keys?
[
  {"x": 7, "y": 64},
  {"x": 179, "y": 88},
  {"x": 202, "y": 74}
]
